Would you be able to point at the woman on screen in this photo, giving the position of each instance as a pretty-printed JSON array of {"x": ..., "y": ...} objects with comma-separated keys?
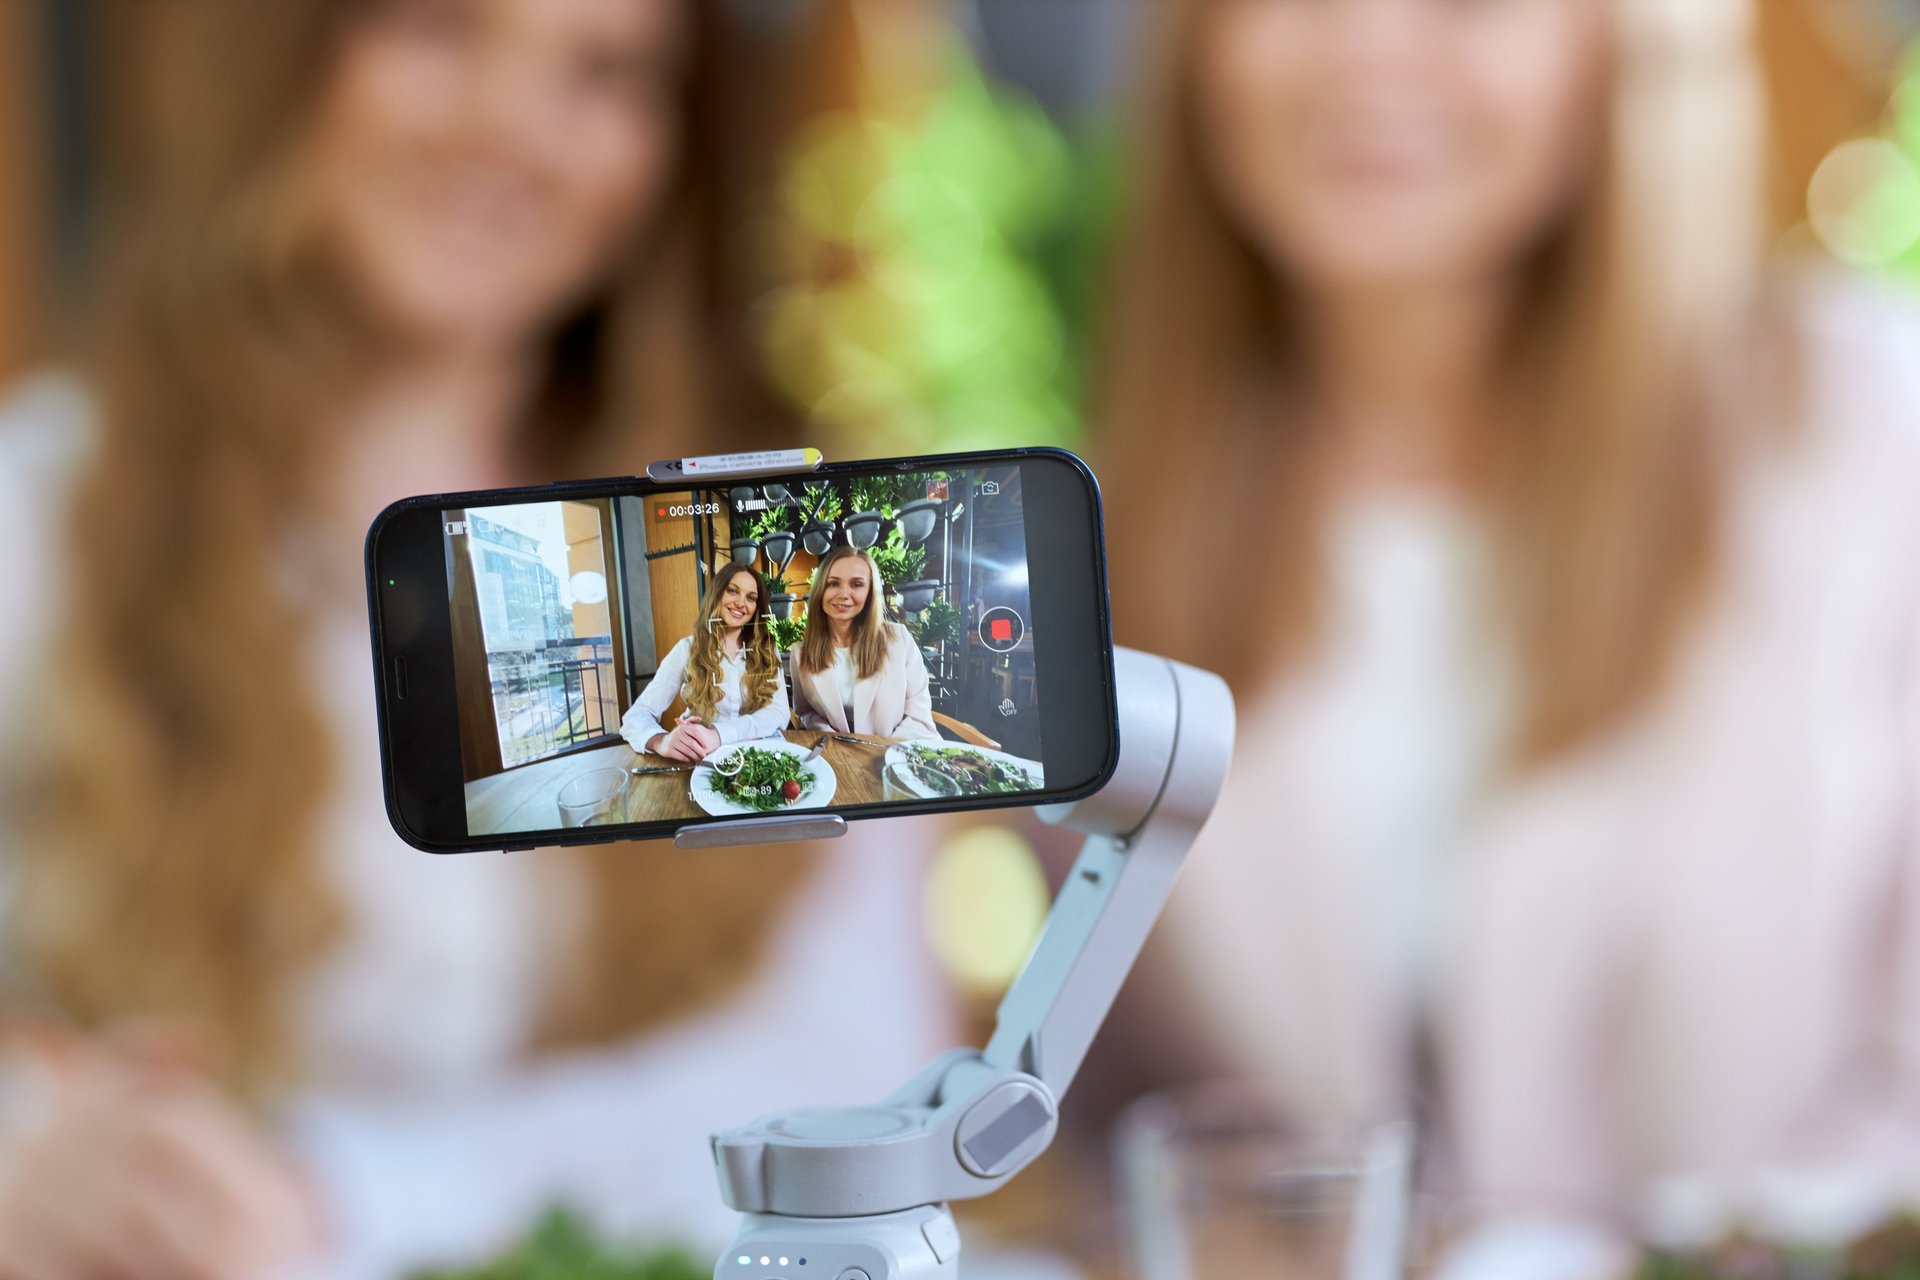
[
  {"x": 727, "y": 672},
  {"x": 858, "y": 672}
]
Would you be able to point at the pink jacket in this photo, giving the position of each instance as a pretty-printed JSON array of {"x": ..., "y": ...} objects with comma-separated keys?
[
  {"x": 893, "y": 704},
  {"x": 1690, "y": 953}
]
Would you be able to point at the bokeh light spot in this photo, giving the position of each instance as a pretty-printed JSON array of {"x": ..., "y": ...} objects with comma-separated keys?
[
  {"x": 1864, "y": 202},
  {"x": 985, "y": 903}
]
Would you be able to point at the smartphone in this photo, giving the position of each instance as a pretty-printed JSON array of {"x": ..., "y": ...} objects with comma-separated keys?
[{"x": 643, "y": 657}]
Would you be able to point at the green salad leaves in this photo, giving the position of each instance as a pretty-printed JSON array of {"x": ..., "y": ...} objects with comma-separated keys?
[
  {"x": 765, "y": 780},
  {"x": 973, "y": 772}
]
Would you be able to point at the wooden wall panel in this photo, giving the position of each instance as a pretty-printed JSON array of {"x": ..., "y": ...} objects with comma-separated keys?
[
  {"x": 673, "y": 578},
  {"x": 472, "y": 681},
  {"x": 588, "y": 527},
  {"x": 1828, "y": 82},
  {"x": 23, "y": 191}
]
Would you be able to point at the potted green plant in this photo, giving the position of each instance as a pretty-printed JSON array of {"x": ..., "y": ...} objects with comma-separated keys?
[
  {"x": 779, "y": 594},
  {"x": 743, "y": 546},
  {"x": 823, "y": 508},
  {"x": 919, "y": 518},
  {"x": 918, "y": 594},
  {"x": 872, "y": 495},
  {"x": 935, "y": 625},
  {"x": 774, "y": 529},
  {"x": 874, "y": 501},
  {"x": 899, "y": 565},
  {"x": 897, "y": 562},
  {"x": 787, "y": 631}
]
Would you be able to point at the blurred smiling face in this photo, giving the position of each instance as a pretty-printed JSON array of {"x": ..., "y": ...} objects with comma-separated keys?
[
  {"x": 1391, "y": 142},
  {"x": 480, "y": 164}
]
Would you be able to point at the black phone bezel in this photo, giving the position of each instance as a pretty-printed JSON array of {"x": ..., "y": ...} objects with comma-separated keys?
[{"x": 407, "y": 599}]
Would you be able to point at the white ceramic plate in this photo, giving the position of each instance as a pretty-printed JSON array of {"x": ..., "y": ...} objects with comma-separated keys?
[
  {"x": 898, "y": 751},
  {"x": 819, "y": 789}
]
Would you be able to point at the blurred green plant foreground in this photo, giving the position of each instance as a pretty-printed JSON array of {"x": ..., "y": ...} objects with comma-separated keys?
[
  {"x": 562, "y": 1247},
  {"x": 940, "y": 263}
]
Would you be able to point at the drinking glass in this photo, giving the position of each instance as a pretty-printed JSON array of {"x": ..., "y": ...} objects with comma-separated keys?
[
  {"x": 593, "y": 798},
  {"x": 1221, "y": 1182}
]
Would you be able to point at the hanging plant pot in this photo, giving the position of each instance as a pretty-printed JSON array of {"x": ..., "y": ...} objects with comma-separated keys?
[
  {"x": 918, "y": 519},
  {"x": 779, "y": 547},
  {"x": 816, "y": 538},
  {"x": 746, "y": 550},
  {"x": 777, "y": 495},
  {"x": 916, "y": 596},
  {"x": 739, "y": 494},
  {"x": 781, "y": 604},
  {"x": 863, "y": 529}
]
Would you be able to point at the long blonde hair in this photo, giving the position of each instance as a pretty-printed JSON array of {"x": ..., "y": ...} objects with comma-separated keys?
[
  {"x": 871, "y": 636},
  {"x": 170, "y": 867},
  {"x": 1605, "y": 518},
  {"x": 701, "y": 688}
]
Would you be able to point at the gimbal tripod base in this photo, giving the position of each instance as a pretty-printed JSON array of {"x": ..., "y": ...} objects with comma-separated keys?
[{"x": 914, "y": 1244}]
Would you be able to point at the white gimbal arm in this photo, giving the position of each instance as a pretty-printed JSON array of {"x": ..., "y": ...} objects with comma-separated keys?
[{"x": 859, "y": 1193}]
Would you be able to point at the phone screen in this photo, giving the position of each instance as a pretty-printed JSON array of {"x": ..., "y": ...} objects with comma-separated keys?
[{"x": 832, "y": 641}]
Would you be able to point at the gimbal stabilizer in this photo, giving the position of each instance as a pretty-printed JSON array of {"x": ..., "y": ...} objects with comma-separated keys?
[{"x": 860, "y": 1193}]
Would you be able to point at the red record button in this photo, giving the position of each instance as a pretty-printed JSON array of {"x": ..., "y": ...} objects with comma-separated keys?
[{"x": 1002, "y": 630}]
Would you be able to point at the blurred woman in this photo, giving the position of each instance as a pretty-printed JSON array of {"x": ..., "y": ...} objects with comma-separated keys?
[
  {"x": 372, "y": 248},
  {"x": 858, "y": 672},
  {"x": 1582, "y": 688},
  {"x": 727, "y": 673}
]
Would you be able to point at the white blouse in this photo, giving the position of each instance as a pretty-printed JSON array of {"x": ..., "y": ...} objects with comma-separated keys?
[
  {"x": 1417, "y": 703},
  {"x": 642, "y": 720},
  {"x": 846, "y": 677}
]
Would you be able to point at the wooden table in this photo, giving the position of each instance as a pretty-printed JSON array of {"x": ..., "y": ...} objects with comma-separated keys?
[{"x": 525, "y": 799}]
